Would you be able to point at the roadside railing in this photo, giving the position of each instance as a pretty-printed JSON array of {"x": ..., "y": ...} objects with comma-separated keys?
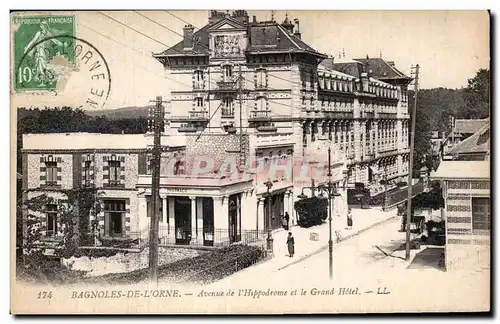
[{"x": 220, "y": 237}]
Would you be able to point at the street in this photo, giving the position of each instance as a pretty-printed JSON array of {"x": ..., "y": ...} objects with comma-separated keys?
[{"x": 369, "y": 262}]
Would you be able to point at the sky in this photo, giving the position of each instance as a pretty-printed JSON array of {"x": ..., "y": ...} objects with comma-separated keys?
[{"x": 449, "y": 46}]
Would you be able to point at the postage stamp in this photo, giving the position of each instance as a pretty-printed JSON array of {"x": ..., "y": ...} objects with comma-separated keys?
[
  {"x": 50, "y": 59},
  {"x": 36, "y": 44}
]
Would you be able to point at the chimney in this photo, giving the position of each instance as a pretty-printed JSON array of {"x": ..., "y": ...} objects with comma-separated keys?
[
  {"x": 297, "y": 29},
  {"x": 364, "y": 78},
  {"x": 188, "y": 36},
  {"x": 391, "y": 63},
  {"x": 215, "y": 16},
  {"x": 254, "y": 19}
]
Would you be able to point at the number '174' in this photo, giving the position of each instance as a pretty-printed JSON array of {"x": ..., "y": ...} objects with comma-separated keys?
[{"x": 45, "y": 295}]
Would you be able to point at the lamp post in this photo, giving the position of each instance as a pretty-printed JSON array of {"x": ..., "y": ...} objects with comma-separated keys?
[
  {"x": 385, "y": 187},
  {"x": 269, "y": 185},
  {"x": 332, "y": 192}
]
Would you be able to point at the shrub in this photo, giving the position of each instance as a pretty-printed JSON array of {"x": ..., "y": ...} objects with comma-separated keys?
[
  {"x": 311, "y": 211},
  {"x": 39, "y": 268},
  {"x": 207, "y": 267}
]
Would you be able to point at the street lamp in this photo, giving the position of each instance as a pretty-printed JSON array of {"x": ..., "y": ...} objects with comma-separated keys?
[
  {"x": 269, "y": 185},
  {"x": 331, "y": 190}
]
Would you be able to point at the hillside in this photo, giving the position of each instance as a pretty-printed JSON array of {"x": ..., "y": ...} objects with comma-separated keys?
[{"x": 121, "y": 113}]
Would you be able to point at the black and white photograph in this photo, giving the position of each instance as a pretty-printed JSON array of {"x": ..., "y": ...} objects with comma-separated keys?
[{"x": 250, "y": 161}]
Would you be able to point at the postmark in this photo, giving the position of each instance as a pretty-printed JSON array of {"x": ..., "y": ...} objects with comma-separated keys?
[{"x": 61, "y": 64}]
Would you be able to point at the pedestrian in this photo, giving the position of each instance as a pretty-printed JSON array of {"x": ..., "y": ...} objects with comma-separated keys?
[
  {"x": 291, "y": 244},
  {"x": 349, "y": 219},
  {"x": 283, "y": 222},
  {"x": 287, "y": 220}
]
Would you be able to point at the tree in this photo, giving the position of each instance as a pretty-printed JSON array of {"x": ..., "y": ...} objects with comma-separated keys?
[
  {"x": 73, "y": 215},
  {"x": 477, "y": 96},
  {"x": 423, "y": 132}
]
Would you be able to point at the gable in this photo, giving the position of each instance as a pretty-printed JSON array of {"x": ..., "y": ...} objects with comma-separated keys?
[{"x": 226, "y": 24}]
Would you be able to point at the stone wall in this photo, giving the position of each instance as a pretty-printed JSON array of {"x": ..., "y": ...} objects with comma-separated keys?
[{"x": 220, "y": 148}]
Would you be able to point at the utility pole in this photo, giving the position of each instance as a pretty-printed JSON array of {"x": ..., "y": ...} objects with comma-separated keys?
[
  {"x": 330, "y": 193},
  {"x": 410, "y": 168},
  {"x": 157, "y": 125},
  {"x": 242, "y": 154}
]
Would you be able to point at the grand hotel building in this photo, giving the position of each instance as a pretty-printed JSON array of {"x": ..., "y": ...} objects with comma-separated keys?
[{"x": 240, "y": 88}]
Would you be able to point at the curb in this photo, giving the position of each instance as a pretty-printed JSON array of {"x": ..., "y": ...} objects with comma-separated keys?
[{"x": 323, "y": 248}]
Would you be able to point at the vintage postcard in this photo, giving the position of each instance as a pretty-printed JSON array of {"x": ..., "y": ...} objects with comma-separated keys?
[{"x": 250, "y": 162}]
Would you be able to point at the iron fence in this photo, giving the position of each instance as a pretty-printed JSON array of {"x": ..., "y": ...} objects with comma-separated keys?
[{"x": 168, "y": 235}]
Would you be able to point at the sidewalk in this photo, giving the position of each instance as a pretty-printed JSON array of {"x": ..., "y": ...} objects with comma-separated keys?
[
  {"x": 304, "y": 247},
  {"x": 363, "y": 219}
]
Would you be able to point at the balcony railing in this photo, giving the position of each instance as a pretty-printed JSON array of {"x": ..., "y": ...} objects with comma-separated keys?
[
  {"x": 259, "y": 115},
  {"x": 227, "y": 112},
  {"x": 198, "y": 85},
  {"x": 274, "y": 139}
]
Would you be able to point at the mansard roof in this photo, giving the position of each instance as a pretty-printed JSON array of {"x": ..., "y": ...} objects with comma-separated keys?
[
  {"x": 381, "y": 69},
  {"x": 264, "y": 37}
]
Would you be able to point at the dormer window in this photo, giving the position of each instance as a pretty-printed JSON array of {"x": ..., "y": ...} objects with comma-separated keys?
[
  {"x": 198, "y": 75},
  {"x": 228, "y": 71}
]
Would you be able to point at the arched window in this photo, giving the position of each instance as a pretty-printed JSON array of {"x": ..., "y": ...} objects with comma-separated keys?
[{"x": 179, "y": 168}]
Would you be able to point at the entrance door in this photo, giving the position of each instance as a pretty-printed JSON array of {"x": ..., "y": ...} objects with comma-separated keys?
[
  {"x": 116, "y": 223},
  {"x": 182, "y": 211},
  {"x": 234, "y": 233},
  {"x": 208, "y": 221},
  {"x": 114, "y": 217}
]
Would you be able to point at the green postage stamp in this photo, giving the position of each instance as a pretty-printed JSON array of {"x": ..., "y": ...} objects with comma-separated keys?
[{"x": 39, "y": 43}]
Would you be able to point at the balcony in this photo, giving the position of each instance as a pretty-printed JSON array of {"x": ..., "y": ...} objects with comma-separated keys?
[
  {"x": 198, "y": 85},
  {"x": 227, "y": 112},
  {"x": 194, "y": 116},
  {"x": 267, "y": 128},
  {"x": 260, "y": 116},
  {"x": 387, "y": 151},
  {"x": 277, "y": 139}
]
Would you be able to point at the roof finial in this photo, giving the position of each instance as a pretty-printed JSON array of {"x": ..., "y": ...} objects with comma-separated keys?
[
  {"x": 367, "y": 57},
  {"x": 272, "y": 15},
  {"x": 380, "y": 53},
  {"x": 340, "y": 55},
  {"x": 343, "y": 53}
]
